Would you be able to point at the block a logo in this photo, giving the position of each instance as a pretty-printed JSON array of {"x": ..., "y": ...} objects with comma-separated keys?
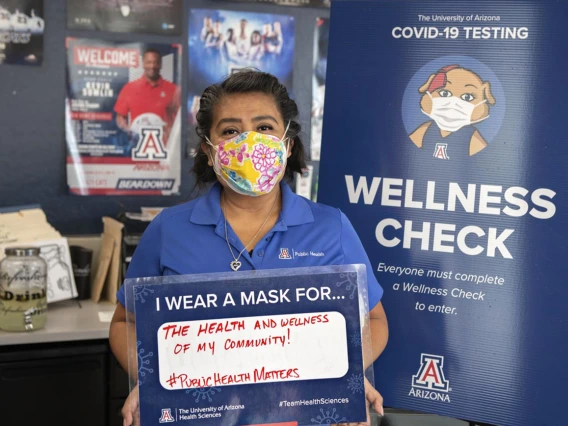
[
  {"x": 284, "y": 254},
  {"x": 166, "y": 416},
  {"x": 150, "y": 145},
  {"x": 441, "y": 151},
  {"x": 430, "y": 381},
  {"x": 148, "y": 133}
]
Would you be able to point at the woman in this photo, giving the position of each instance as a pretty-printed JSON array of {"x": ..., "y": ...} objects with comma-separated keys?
[
  {"x": 256, "y": 50},
  {"x": 272, "y": 39},
  {"x": 249, "y": 213},
  {"x": 214, "y": 41},
  {"x": 207, "y": 28},
  {"x": 230, "y": 51}
]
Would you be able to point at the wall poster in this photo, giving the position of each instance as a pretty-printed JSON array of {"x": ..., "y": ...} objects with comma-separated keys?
[
  {"x": 446, "y": 145},
  {"x": 123, "y": 119},
  {"x": 21, "y": 32},
  {"x": 126, "y": 16},
  {"x": 223, "y": 42},
  {"x": 321, "y": 42},
  {"x": 297, "y": 3}
]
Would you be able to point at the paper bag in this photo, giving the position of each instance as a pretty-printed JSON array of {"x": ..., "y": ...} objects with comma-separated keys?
[
  {"x": 105, "y": 256},
  {"x": 113, "y": 228}
]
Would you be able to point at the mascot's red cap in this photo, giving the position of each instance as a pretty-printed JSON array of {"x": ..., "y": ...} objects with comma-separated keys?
[{"x": 441, "y": 79}]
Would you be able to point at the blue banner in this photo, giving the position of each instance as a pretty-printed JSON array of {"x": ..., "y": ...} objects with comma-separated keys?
[
  {"x": 444, "y": 143},
  {"x": 251, "y": 348}
]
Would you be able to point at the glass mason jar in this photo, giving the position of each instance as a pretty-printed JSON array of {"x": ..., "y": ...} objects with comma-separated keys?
[{"x": 23, "y": 290}]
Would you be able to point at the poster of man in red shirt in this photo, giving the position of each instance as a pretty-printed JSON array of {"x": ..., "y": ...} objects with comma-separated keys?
[
  {"x": 123, "y": 125},
  {"x": 149, "y": 99}
]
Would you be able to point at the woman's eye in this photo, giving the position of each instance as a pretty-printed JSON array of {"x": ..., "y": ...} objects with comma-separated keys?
[
  {"x": 468, "y": 97},
  {"x": 264, "y": 128},
  {"x": 230, "y": 132},
  {"x": 445, "y": 93}
]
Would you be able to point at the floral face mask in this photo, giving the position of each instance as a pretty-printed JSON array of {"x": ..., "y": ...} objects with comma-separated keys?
[{"x": 251, "y": 163}]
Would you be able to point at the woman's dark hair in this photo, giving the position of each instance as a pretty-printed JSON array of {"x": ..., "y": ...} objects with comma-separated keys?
[
  {"x": 247, "y": 81},
  {"x": 256, "y": 33},
  {"x": 232, "y": 35}
]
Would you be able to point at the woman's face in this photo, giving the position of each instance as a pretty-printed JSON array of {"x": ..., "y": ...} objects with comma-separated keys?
[
  {"x": 245, "y": 112},
  {"x": 255, "y": 38}
]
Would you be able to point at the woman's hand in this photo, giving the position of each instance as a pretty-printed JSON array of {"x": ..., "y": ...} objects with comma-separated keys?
[
  {"x": 374, "y": 399},
  {"x": 130, "y": 410}
]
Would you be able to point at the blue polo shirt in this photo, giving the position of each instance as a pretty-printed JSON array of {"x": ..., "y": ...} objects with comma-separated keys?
[{"x": 190, "y": 239}]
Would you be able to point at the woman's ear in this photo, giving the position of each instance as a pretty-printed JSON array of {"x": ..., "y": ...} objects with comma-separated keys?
[
  {"x": 290, "y": 146},
  {"x": 207, "y": 150}
]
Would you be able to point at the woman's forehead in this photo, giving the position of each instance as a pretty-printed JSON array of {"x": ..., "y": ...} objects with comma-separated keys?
[{"x": 246, "y": 106}]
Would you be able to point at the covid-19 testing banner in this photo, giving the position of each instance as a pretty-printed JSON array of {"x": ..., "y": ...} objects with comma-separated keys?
[
  {"x": 445, "y": 144},
  {"x": 123, "y": 119},
  {"x": 252, "y": 348}
]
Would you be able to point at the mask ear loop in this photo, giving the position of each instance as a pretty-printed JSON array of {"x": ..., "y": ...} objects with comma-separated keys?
[
  {"x": 287, "y": 139},
  {"x": 211, "y": 157},
  {"x": 287, "y": 128},
  {"x": 430, "y": 95}
]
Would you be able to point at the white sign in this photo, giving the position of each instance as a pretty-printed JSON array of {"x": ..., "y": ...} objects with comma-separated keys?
[{"x": 276, "y": 348}]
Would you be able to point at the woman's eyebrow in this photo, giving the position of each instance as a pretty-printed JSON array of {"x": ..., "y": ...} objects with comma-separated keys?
[
  {"x": 228, "y": 120},
  {"x": 265, "y": 117}
]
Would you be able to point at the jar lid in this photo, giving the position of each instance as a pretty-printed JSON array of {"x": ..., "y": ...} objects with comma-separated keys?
[{"x": 22, "y": 251}]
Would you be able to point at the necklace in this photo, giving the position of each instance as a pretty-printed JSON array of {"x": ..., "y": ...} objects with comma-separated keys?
[{"x": 236, "y": 263}]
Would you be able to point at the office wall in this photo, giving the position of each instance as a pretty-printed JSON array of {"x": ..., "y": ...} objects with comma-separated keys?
[{"x": 32, "y": 122}]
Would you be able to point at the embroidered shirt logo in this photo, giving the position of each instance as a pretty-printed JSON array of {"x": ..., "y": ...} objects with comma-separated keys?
[{"x": 284, "y": 254}]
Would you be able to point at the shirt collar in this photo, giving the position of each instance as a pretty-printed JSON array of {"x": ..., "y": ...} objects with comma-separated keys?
[
  {"x": 158, "y": 82},
  {"x": 295, "y": 209},
  {"x": 207, "y": 210}
]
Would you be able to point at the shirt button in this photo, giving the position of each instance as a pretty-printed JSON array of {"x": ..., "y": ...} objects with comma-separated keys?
[{"x": 261, "y": 253}]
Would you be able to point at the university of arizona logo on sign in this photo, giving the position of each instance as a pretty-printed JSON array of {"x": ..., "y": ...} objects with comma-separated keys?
[
  {"x": 441, "y": 151},
  {"x": 167, "y": 416},
  {"x": 430, "y": 381},
  {"x": 431, "y": 374},
  {"x": 150, "y": 146},
  {"x": 284, "y": 254}
]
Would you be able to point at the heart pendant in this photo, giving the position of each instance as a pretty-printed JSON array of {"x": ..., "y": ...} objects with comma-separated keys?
[{"x": 235, "y": 265}]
